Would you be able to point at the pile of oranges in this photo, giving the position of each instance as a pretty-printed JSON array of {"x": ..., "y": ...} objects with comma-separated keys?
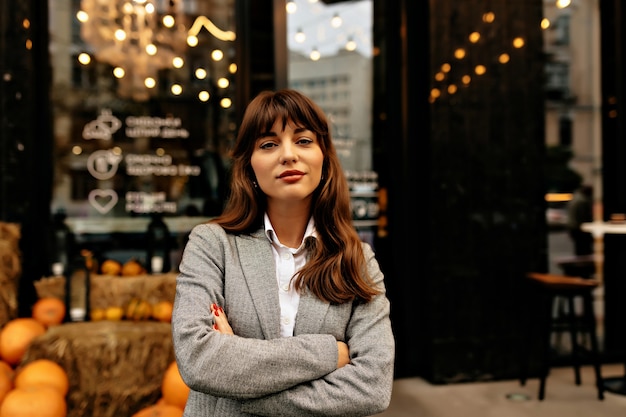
[{"x": 37, "y": 388}]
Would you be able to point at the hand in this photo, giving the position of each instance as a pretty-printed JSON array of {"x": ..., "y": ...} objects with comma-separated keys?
[
  {"x": 220, "y": 322},
  {"x": 344, "y": 354}
]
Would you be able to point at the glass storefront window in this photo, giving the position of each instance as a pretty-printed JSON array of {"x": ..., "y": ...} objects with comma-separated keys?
[
  {"x": 143, "y": 96},
  {"x": 330, "y": 60}
]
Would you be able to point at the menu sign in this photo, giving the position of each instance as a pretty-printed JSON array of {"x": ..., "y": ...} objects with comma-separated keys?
[{"x": 105, "y": 164}]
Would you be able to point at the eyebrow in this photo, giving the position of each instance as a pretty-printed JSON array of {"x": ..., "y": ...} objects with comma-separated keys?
[{"x": 273, "y": 134}]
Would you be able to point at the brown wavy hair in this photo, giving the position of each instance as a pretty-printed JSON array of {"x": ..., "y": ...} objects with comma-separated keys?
[{"x": 336, "y": 270}]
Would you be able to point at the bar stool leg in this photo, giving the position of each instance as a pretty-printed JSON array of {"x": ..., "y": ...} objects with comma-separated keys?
[
  {"x": 595, "y": 352},
  {"x": 571, "y": 316},
  {"x": 547, "y": 346}
]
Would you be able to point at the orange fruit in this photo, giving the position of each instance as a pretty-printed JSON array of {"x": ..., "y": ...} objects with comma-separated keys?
[
  {"x": 173, "y": 388},
  {"x": 16, "y": 336},
  {"x": 6, "y": 379},
  {"x": 36, "y": 401},
  {"x": 162, "y": 311},
  {"x": 43, "y": 372},
  {"x": 132, "y": 268},
  {"x": 111, "y": 267},
  {"x": 114, "y": 313},
  {"x": 49, "y": 311}
]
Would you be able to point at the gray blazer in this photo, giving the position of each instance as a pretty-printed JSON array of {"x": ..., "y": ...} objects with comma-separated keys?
[{"x": 257, "y": 372}]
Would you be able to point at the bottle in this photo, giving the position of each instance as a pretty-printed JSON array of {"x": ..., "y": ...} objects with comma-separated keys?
[
  {"x": 158, "y": 246},
  {"x": 62, "y": 244}
]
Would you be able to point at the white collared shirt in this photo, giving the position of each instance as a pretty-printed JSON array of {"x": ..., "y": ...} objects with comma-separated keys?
[{"x": 288, "y": 261}]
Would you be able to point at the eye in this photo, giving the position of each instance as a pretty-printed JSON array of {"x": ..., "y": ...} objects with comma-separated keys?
[
  {"x": 304, "y": 141},
  {"x": 267, "y": 145}
]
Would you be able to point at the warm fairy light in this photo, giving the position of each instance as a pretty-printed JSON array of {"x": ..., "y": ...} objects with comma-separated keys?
[
  {"x": 168, "y": 21},
  {"x": 232, "y": 68},
  {"x": 459, "y": 53},
  {"x": 435, "y": 92},
  {"x": 452, "y": 88},
  {"x": 489, "y": 17},
  {"x": 504, "y": 58},
  {"x": 291, "y": 7},
  {"x": 160, "y": 151},
  {"x": 223, "y": 82},
  {"x": 480, "y": 69},
  {"x": 82, "y": 16},
  {"x": 200, "y": 73},
  {"x": 151, "y": 49},
  {"x": 84, "y": 58},
  {"x": 445, "y": 67},
  {"x": 562, "y": 4},
  {"x": 149, "y": 82},
  {"x": 77, "y": 150},
  {"x": 350, "y": 45},
  {"x": 217, "y": 55},
  {"x": 226, "y": 102},
  {"x": 315, "y": 55},
  {"x": 192, "y": 40},
  {"x": 440, "y": 76},
  {"x": 29, "y": 44},
  {"x": 474, "y": 37},
  {"x": 176, "y": 89},
  {"x": 545, "y": 23},
  {"x": 120, "y": 35},
  {"x": 178, "y": 62},
  {"x": 204, "y": 95},
  {"x": 466, "y": 79},
  {"x": 518, "y": 42},
  {"x": 119, "y": 72}
]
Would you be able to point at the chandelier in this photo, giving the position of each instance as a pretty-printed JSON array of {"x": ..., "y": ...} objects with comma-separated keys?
[{"x": 139, "y": 38}]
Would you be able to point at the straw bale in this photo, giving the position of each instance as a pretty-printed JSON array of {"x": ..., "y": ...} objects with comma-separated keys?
[
  {"x": 114, "y": 368},
  {"x": 10, "y": 270},
  {"x": 114, "y": 291}
]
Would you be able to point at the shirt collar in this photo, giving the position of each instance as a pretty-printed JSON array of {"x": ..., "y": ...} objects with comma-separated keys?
[{"x": 271, "y": 234}]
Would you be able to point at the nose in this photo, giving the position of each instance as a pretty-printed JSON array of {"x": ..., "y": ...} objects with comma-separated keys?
[{"x": 288, "y": 153}]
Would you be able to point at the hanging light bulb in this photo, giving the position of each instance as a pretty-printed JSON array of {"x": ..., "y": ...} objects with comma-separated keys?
[
  {"x": 315, "y": 54},
  {"x": 351, "y": 44},
  {"x": 336, "y": 21},
  {"x": 300, "y": 36}
]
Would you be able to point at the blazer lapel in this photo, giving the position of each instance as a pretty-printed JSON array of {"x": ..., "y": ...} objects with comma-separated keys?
[
  {"x": 311, "y": 313},
  {"x": 257, "y": 263}
]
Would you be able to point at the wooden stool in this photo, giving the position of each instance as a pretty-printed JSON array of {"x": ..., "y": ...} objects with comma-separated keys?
[{"x": 554, "y": 286}]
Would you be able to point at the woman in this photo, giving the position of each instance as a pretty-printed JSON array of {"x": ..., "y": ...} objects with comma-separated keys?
[{"x": 280, "y": 309}]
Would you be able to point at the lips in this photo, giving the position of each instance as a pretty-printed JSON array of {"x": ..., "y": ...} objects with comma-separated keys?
[{"x": 291, "y": 175}]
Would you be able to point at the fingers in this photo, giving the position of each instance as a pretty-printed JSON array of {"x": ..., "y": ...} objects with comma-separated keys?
[
  {"x": 220, "y": 322},
  {"x": 343, "y": 357}
]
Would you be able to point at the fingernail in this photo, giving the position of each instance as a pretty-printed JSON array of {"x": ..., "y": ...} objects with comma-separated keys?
[
  {"x": 215, "y": 327},
  {"x": 217, "y": 313},
  {"x": 221, "y": 309},
  {"x": 213, "y": 306}
]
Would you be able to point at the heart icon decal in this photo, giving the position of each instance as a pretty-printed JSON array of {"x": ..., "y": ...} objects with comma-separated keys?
[{"x": 103, "y": 200}]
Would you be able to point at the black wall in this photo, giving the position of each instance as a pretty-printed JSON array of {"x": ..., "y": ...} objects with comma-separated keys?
[{"x": 465, "y": 180}]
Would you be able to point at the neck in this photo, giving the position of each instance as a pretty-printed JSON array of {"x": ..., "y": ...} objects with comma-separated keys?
[{"x": 289, "y": 223}]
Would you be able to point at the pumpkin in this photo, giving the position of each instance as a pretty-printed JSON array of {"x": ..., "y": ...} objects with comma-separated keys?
[
  {"x": 138, "y": 309},
  {"x": 49, "y": 311},
  {"x": 132, "y": 268},
  {"x": 43, "y": 372},
  {"x": 159, "y": 410},
  {"x": 111, "y": 267},
  {"x": 162, "y": 311},
  {"x": 16, "y": 336},
  {"x": 6, "y": 379},
  {"x": 34, "y": 401},
  {"x": 173, "y": 389}
]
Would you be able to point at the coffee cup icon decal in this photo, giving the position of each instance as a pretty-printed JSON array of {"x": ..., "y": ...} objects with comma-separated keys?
[{"x": 103, "y": 164}]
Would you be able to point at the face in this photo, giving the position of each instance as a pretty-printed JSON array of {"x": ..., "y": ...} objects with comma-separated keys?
[{"x": 287, "y": 163}]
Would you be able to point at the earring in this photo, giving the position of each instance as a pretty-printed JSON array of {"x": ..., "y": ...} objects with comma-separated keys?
[{"x": 254, "y": 184}]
